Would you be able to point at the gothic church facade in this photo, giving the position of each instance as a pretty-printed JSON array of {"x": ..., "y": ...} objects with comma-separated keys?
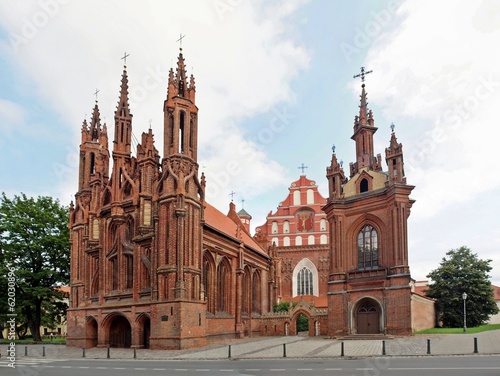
[{"x": 154, "y": 265}]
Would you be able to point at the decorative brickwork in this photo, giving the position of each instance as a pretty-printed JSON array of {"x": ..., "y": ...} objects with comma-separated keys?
[
  {"x": 152, "y": 263},
  {"x": 369, "y": 281}
]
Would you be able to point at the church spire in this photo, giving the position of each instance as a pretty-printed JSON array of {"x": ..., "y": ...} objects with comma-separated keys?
[
  {"x": 95, "y": 124},
  {"x": 179, "y": 85},
  {"x": 180, "y": 114},
  {"x": 123, "y": 118},
  {"x": 394, "y": 159},
  {"x": 123, "y": 109},
  {"x": 364, "y": 129}
]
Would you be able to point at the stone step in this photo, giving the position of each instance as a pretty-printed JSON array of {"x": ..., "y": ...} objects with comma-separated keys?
[{"x": 372, "y": 337}]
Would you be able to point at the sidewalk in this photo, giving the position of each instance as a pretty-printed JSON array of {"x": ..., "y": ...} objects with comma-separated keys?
[{"x": 292, "y": 346}]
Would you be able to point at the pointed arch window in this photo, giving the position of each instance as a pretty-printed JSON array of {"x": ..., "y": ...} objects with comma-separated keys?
[
  {"x": 305, "y": 282},
  {"x": 223, "y": 286},
  {"x": 367, "y": 248}
]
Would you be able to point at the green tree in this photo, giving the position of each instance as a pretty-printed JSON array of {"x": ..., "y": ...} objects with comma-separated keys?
[
  {"x": 34, "y": 238},
  {"x": 462, "y": 271}
]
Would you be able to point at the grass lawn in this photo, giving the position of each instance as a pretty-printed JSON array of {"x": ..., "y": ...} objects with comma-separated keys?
[{"x": 477, "y": 329}]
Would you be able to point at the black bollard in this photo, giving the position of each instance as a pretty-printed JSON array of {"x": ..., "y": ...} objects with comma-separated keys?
[
  {"x": 43, "y": 350},
  {"x": 428, "y": 346},
  {"x": 475, "y": 345},
  {"x": 284, "y": 350},
  {"x": 83, "y": 354},
  {"x": 109, "y": 355},
  {"x": 341, "y": 348},
  {"x": 383, "y": 347},
  {"x": 135, "y": 353},
  {"x": 229, "y": 352},
  {"x": 25, "y": 350}
]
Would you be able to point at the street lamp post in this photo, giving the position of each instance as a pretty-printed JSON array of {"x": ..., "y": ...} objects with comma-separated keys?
[{"x": 464, "y": 297}]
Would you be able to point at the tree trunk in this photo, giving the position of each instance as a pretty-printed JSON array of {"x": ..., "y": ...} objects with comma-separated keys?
[
  {"x": 37, "y": 321},
  {"x": 32, "y": 322}
]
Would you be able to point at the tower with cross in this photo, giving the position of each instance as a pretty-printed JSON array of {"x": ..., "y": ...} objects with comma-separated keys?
[
  {"x": 364, "y": 129},
  {"x": 368, "y": 213}
]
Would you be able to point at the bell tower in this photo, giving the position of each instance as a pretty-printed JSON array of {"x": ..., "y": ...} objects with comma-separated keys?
[
  {"x": 369, "y": 278},
  {"x": 180, "y": 216}
]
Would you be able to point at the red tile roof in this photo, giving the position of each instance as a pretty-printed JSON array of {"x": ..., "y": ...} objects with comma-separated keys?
[{"x": 219, "y": 221}]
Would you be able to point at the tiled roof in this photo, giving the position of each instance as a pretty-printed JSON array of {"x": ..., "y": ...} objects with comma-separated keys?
[{"x": 219, "y": 221}]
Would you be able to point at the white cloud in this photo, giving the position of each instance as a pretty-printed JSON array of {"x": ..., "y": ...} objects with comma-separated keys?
[
  {"x": 244, "y": 59},
  {"x": 12, "y": 115},
  {"x": 438, "y": 69}
]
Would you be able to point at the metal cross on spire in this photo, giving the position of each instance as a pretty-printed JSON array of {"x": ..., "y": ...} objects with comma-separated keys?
[
  {"x": 392, "y": 127},
  {"x": 181, "y": 37},
  {"x": 362, "y": 75},
  {"x": 124, "y": 58},
  {"x": 302, "y": 167},
  {"x": 232, "y": 195},
  {"x": 96, "y": 92}
]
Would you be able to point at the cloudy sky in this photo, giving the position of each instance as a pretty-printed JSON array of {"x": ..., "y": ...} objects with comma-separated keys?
[{"x": 275, "y": 89}]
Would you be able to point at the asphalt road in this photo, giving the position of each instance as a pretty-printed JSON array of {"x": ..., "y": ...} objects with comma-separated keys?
[{"x": 421, "y": 366}]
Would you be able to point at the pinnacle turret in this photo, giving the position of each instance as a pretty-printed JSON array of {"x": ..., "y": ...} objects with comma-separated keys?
[{"x": 123, "y": 109}]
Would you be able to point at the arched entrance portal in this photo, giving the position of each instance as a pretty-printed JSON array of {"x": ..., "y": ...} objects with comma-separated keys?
[
  {"x": 368, "y": 317},
  {"x": 120, "y": 333},
  {"x": 302, "y": 324},
  {"x": 91, "y": 332}
]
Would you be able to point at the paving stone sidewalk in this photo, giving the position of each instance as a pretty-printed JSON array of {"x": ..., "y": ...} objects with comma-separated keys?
[{"x": 291, "y": 346}]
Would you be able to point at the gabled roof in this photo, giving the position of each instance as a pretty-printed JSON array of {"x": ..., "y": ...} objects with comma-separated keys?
[{"x": 222, "y": 223}]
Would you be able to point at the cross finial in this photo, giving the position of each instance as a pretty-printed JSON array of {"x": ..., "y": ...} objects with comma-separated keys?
[
  {"x": 243, "y": 203},
  {"x": 124, "y": 58},
  {"x": 180, "y": 41},
  {"x": 302, "y": 167},
  {"x": 96, "y": 92},
  {"x": 232, "y": 195},
  {"x": 333, "y": 148},
  {"x": 392, "y": 127},
  {"x": 362, "y": 75}
]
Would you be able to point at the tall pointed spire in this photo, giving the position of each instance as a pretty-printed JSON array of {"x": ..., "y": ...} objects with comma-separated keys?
[
  {"x": 123, "y": 118},
  {"x": 364, "y": 128},
  {"x": 123, "y": 109},
  {"x": 95, "y": 124},
  {"x": 179, "y": 85}
]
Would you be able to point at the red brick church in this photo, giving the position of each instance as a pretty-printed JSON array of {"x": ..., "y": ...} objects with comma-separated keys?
[{"x": 155, "y": 265}]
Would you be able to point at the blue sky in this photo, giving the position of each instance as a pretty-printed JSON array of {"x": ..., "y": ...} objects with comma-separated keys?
[{"x": 274, "y": 90}]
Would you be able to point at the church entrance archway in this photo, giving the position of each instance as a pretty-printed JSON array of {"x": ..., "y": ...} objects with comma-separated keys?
[
  {"x": 368, "y": 317},
  {"x": 120, "y": 332},
  {"x": 302, "y": 324}
]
